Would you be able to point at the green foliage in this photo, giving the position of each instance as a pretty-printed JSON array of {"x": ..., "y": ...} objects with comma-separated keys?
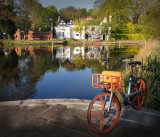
[
  {"x": 130, "y": 28},
  {"x": 7, "y": 17},
  {"x": 139, "y": 7},
  {"x": 127, "y": 36},
  {"x": 50, "y": 15},
  {"x": 114, "y": 8},
  {"x": 72, "y": 12},
  {"x": 150, "y": 74},
  {"x": 151, "y": 21},
  {"x": 118, "y": 25},
  {"x": 78, "y": 26}
]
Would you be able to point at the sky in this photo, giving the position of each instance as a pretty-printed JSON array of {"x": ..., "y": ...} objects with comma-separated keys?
[{"x": 88, "y": 4}]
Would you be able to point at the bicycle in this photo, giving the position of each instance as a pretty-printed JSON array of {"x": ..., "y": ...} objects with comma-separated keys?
[{"x": 104, "y": 109}]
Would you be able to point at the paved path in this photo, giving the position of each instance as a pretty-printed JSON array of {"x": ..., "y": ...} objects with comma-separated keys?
[{"x": 67, "y": 118}]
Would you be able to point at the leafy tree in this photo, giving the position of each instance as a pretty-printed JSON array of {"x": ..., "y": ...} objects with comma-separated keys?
[
  {"x": 139, "y": 8},
  {"x": 30, "y": 14},
  {"x": 50, "y": 15},
  {"x": 115, "y": 8},
  {"x": 69, "y": 13},
  {"x": 72, "y": 12},
  {"x": 78, "y": 26},
  {"x": 150, "y": 21},
  {"x": 23, "y": 19},
  {"x": 8, "y": 17},
  {"x": 84, "y": 12}
]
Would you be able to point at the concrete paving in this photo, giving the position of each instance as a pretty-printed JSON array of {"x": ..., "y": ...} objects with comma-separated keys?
[{"x": 68, "y": 118}]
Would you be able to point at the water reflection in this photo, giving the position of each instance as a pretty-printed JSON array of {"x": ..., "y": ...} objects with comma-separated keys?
[{"x": 23, "y": 69}]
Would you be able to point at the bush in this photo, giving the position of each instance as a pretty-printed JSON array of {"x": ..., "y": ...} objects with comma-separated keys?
[{"x": 128, "y": 36}]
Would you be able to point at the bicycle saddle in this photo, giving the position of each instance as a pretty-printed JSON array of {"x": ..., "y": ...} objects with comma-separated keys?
[{"x": 134, "y": 63}]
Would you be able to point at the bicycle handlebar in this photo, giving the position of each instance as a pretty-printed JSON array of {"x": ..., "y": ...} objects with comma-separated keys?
[
  {"x": 125, "y": 57},
  {"x": 118, "y": 60}
]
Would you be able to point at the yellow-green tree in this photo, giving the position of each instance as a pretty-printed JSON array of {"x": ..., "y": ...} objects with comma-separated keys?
[{"x": 78, "y": 26}]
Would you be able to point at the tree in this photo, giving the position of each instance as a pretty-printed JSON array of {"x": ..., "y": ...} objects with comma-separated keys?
[
  {"x": 139, "y": 8},
  {"x": 69, "y": 13},
  {"x": 8, "y": 17},
  {"x": 150, "y": 21},
  {"x": 84, "y": 12},
  {"x": 115, "y": 7},
  {"x": 72, "y": 12},
  {"x": 29, "y": 14},
  {"x": 50, "y": 16},
  {"x": 78, "y": 26}
]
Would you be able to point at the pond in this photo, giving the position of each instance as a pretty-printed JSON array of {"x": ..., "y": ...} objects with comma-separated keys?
[{"x": 54, "y": 72}]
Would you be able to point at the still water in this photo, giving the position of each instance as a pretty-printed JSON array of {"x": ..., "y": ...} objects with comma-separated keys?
[{"x": 55, "y": 72}]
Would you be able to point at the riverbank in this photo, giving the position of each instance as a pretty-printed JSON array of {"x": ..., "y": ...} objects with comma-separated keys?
[
  {"x": 6, "y": 43},
  {"x": 68, "y": 118},
  {"x": 28, "y": 42},
  {"x": 149, "y": 55}
]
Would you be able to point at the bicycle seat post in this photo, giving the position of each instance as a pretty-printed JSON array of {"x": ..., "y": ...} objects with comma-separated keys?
[{"x": 131, "y": 72}]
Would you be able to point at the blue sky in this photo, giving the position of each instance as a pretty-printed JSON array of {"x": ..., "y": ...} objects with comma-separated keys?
[{"x": 88, "y": 4}]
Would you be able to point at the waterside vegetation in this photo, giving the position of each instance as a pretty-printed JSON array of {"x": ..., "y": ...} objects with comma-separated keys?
[{"x": 149, "y": 55}]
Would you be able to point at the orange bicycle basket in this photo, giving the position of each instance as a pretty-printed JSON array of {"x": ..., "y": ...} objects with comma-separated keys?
[{"x": 110, "y": 80}]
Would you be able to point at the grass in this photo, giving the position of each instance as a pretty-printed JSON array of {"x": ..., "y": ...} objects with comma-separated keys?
[{"x": 27, "y": 42}]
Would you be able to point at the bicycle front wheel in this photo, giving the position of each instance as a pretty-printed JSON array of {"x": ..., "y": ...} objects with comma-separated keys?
[
  {"x": 98, "y": 118},
  {"x": 138, "y": 99}
]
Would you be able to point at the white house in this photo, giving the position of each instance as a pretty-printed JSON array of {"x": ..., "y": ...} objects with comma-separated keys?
[{"x": 64, "y": 30}]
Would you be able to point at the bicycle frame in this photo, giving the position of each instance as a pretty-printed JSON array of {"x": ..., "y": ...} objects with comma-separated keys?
[{"x": 126, "y": 97}]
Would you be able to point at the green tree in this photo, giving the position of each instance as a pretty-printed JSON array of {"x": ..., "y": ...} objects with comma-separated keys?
[
  {"x": 115, "y": 8},
  {"x": 139, "y": 7},
  {"x": 72, "y": 12},
  {"x": 150, "y": 21},
  {"x": 78, "y": 26},
  {"x": 30, "y": 13},
  {"x": 50, "y": 15},
  {"x": 84, "y": 12},
  {"x": 7, "y": 17},
  {"x": 69, "y": 13}
]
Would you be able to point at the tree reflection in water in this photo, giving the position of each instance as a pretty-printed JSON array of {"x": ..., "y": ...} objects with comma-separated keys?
[{"x": 22, "y": 68}]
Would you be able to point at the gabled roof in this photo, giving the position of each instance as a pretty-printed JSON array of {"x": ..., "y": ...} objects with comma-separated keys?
[{"x": 63, "y": 22}]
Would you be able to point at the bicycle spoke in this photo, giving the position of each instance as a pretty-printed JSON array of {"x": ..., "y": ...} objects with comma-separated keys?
[
  {"x": 111, "y": 118},
  {"x": 140, "y": 86},
  {"x": 135, "y": 97},
  {"x": 138, "y": 99},
  {"x": 112, "y": 104},
  {"x": 96, "y": 114},
  {"x": 101, "y": 100},
  {"x": 102, "y": 121}
]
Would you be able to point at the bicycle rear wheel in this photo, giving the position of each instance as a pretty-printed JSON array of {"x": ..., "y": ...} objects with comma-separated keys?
[
  {"x": 98, "y": 118},
  {"x": 138, "y": 99}
]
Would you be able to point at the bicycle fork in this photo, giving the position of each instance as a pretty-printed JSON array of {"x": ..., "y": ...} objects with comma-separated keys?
[{"x": 109, "y": 105}]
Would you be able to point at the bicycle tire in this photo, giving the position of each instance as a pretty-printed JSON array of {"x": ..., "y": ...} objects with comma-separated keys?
[
  {"x": 138, "y": 99},
  {"x": 99, "y": 122}
]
